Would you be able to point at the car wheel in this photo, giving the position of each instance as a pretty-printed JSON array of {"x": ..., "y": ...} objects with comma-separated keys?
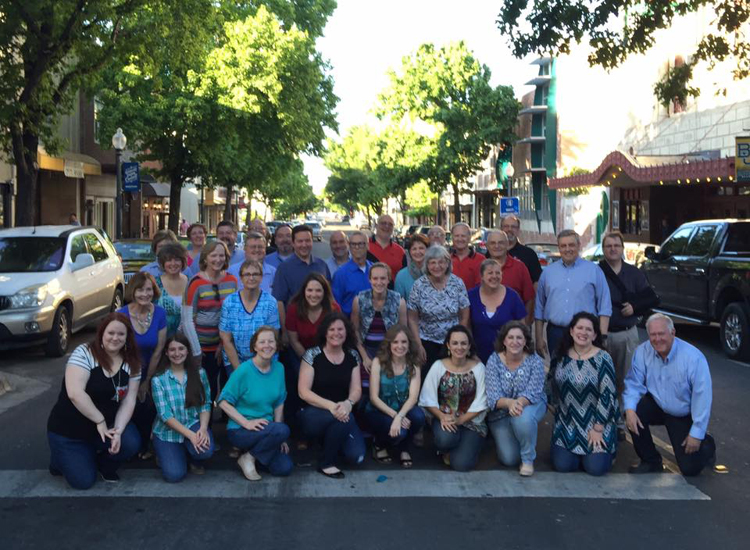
[
  {"x": 735, "y": 331},
  {"x": 116, "y": 301},
  {"x": 59, "y": 338}
]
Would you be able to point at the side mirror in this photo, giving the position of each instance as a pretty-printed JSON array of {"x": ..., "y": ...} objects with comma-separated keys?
[
  {"x": 82, "y": 261},
  {"x": 650, "y": 253}
]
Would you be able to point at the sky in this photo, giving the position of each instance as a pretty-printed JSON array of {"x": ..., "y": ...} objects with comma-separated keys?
[{"x": 363, "y": 40}]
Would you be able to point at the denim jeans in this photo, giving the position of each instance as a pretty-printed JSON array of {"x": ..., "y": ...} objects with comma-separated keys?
[
  {"x": 515, "y": 436},
  {"x": 380, "y": 424},
  {"x": 464, "y": 446},
  {"x": 265, "y": 446},
  {"x": 78, "y": 460},
  {"x": 595, "y": 464},
  {"x": 338, "y": 437},
  {"x": 173, "y": 457}
]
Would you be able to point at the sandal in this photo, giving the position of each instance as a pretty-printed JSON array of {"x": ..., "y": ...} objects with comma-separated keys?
[
  {"x": 146, "y": 455},
  {"x": 380, "y": 454},
  {"x": 406, "y": 462}
]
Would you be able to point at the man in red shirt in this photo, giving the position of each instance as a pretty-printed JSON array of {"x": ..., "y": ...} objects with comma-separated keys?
[
  {"x": 383, "y": 249},
  {"x": 515, "y": 273},
  {"x": 466, "y": 262}
]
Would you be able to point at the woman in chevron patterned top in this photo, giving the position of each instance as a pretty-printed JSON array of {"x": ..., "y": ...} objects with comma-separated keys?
[{"x": 585, "y": 398}]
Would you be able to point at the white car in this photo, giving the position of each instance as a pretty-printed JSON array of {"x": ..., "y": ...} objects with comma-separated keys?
[{"x": 54, "y": 280}]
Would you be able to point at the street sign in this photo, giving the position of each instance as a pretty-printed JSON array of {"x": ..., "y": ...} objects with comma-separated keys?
[
  {"x": 131, "y": 177},
  {"x": 510, "y": 205},
  {"x": 742, "y": 159}
]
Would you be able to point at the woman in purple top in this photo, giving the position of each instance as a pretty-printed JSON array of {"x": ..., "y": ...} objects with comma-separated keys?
[
  {"x": 491, "y": 305},
  {"x": 149, "y": 323}
]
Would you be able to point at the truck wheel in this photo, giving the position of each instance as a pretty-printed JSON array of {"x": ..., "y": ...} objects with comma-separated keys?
[
  {"x": 59, "y": 337},
  {"x": 735, "y": 331}
]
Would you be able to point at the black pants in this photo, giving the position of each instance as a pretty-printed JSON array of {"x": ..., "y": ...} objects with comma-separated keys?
[
  {"x": 678, "y": 428},
  {"x": 434, "y": 351}
]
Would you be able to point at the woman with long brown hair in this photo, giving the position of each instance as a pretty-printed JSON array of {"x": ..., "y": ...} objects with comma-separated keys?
[
  {"x": 392, "y": 411},
  {"x": 89, "y": 428},
  {"x": 182, "y": 396}
]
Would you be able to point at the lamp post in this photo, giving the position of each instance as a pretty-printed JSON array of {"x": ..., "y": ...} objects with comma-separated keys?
[{"x": 119, "y": 142}]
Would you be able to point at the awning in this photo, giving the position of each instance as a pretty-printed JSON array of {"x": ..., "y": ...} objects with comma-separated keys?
[
  {"x": 73, "y": 165},
  {"x": 624, "y": 170},
  {"x": 153, "y": 189}
]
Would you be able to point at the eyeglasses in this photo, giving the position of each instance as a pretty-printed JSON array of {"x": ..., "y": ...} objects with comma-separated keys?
[
  {"x": 357, "y": 245},
  {"x": 251, "y": 275}
]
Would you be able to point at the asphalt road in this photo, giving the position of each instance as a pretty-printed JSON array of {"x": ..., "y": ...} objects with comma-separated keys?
[{"x": 376, "y": 506}]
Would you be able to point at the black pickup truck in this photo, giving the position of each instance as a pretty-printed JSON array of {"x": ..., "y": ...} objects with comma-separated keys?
[{"x": 702, "y": 274}]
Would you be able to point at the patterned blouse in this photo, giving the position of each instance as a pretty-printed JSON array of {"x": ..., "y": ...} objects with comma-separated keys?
[
  {"x": 437, "y": 309},
  {"x": 526, "y": 381},
  {"x": 172, "y": 305},
  {"x": 586, "y": 395},
  {"x": 389, "y": 312},
  {"x": 456, "y": 394}
]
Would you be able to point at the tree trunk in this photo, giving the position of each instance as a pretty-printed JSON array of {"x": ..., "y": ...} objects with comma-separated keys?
[
  {"x": 228, "y": 204},
  {"x": 27, "y": 177},
  {"x": 175, "y": 193},
  {"x": 456, "y": 203}
]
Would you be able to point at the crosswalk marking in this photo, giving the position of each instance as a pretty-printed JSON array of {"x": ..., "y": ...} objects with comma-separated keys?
[{"x": 361, "y": 484}]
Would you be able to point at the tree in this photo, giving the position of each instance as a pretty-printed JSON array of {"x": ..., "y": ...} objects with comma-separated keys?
[
  {"x": 448, "y": 90},
  {"x": 297, "y": 196},
  {"x": 616, "y": 29},
  {"x": 50, "y": 49}
]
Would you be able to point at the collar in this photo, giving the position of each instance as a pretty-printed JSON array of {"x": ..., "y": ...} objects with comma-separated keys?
[
  {"x": 171, "y": 375},
  {"x": 355, "y": 265},
  {"x": 312, "y": 259},
  {"x": 472, "y": 253},
  {"x": 574, "y": 264},
  {"x": 670, "y": 356},
  {"x": 374, "y": 240}
]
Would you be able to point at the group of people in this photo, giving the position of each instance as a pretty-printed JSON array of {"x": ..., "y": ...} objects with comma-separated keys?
[{"x": 378, "y": 340}]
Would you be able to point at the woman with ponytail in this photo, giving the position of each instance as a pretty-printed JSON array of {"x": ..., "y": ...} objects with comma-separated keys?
[{"x": 182, "y": 397}]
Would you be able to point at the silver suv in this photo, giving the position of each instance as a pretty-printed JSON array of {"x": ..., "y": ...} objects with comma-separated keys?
[{"x": 54, "y": 280}]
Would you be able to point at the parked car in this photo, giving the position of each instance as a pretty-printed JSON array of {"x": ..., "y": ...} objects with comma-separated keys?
[
  {"x": 54, "y": 280},
  {"x": 134, "y": 254},
  {"x": 547, "y": 253},
  {"x": 702, "y": 275},
  {"x": 635, "y": 253},
  {"x": 316, "y": 229},
  {"x": 272, "y": 225},
  {"x": 404, "y": 232}
]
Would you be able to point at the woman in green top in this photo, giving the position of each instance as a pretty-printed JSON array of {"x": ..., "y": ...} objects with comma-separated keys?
[
  {"x": 392, "y": 413},
  {"x": 253, "y": 399}
]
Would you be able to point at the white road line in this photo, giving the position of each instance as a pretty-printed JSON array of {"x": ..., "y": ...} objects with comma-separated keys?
[
  {"x": 668, "y": 464},
  {"x": 361, "y": 484},
  {"x": 740, "y": 363}
]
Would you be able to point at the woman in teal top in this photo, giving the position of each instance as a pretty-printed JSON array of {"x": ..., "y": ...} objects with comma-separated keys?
[
  {"x": 416, "y": 250},
  {"x": 391, "y": 412},
  {"x": 253, "y": 399},
  {"x": 183, "y": 407}
]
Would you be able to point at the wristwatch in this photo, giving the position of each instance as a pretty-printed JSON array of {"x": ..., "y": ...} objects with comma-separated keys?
[{"x": 351, "y": 403}]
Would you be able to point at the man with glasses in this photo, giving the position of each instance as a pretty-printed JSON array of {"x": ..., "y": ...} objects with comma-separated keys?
[
  {"x": 436, "y": 234},
  {"x": 354, "y": 276},
  {"x": 382, "y": 248},
  {"x": 339, "y": 251},
  {"x": 512, "y": 227},
  {"x": 255, "y": 249}
]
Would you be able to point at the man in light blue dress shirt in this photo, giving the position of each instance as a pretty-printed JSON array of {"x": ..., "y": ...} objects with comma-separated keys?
[
  {"x": 282, "y": 239},
  {"x": 255, "y": 249},
  {"x": 567, "y": 287},
  {"x": 669, "y": 384}
]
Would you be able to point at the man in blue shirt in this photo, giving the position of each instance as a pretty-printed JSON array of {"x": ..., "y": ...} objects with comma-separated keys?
[
  {"x": 292, "y": 272},
  {"x": 282, "y": 239},
  {"x": 567, "y": 287},
  {"x": 354, "y": 276},
  {"x": 161, "y": 237},
  {"x": 669, "y": 384},
  {"x": 226, "y": 233},
  {"x": 339, "y": 251}
]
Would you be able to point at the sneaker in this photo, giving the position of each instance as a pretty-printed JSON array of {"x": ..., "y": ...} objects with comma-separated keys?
[
  {"x": 527, "y": 469},
  {"x": 646, "y": 468},
  {"x": 109, "y": 477},
  {"x": 196, "y": 469},
  {"x": 247, "y": 465}
]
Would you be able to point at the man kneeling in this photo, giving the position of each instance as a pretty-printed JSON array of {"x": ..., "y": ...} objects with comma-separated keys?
[{"x": 669, "y": 384}]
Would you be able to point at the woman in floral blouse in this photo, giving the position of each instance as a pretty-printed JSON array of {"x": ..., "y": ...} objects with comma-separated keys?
[
  {"x": 515, "y": 395},
  {"x": 453, "y": 392},
  {"x": 437, "y": 302}
]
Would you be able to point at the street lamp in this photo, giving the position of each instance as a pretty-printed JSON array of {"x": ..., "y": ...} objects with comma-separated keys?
[{"x": 119, "y": 142}]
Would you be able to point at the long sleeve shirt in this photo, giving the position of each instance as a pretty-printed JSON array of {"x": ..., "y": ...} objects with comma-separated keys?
[
  {"x": 636, "y": 293},
  {"x": 680, "y": 384},
  {"x": 565, "y": 290}
]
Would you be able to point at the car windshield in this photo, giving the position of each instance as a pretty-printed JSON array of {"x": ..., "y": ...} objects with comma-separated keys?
[
  {"x": 134, "y": 251},
  {"x": 31, "y": 254}
]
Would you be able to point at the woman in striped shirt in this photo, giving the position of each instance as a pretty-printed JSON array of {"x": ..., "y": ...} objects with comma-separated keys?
[{"x": 201, "y": 308}]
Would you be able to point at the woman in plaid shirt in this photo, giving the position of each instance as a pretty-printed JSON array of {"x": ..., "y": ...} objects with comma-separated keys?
[{"x": 183, "y": 407}]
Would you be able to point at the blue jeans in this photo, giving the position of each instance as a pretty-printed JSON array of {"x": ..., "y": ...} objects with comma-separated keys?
[
  {"x": 515, "y": 436},
  {"x": 380, "y": 424},
  {"x": 265, "y": 446},
  {"x": 78, "y": 460},
  {"x": 595, "y": 464},
  {"x": 173, "y": 457},
  {"x": 338, "y": 437},
  {"x": 464, "y": 446}
]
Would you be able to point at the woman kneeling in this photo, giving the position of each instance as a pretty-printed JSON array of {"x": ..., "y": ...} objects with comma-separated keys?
[
  {"x": 253, "y": 398},
  {"x": 182, "y": 396}
]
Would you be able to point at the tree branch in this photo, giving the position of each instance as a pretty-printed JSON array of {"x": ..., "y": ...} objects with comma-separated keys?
[{"x": 27, "y": 18}]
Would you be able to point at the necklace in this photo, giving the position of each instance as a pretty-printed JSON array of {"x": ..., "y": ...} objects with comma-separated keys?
[
  {"x": 143, "y": 321},
  {"x": 117, "y": 386}
]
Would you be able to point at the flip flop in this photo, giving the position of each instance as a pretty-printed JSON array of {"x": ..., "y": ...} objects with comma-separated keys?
[
  {"x": 406, "y": 462},
  {"x": 377, "y": 454}
]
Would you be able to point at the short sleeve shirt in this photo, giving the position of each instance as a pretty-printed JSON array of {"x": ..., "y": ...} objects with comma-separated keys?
[
  {"x": 437, "y": 309},
  {"x": 306, "y": 330},
  {"x": 331, "y": 381},
  {"x": 242, "y": 324}
]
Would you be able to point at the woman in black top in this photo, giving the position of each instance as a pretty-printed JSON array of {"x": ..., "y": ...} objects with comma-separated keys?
[
  {"x": 88, "y": 428},
  {"x": 329, "y": 383}
]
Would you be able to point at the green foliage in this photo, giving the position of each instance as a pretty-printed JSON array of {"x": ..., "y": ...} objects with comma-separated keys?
[
  {"x": 420, "y": 196},
  {"x": 297, "y": 196},
  {"x": 675, "y": 86},
  {"x": 617, "y": 29}
]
